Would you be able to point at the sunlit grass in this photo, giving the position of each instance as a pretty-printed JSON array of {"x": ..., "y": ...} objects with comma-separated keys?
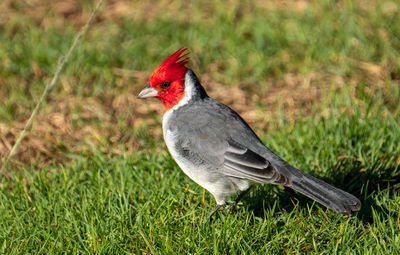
[
  {"x": 321, "y": 76},
  {"x": 110, "y": 205}
]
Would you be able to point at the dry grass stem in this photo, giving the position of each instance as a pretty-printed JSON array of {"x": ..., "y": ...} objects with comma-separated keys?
[{"x": 61, "y": 63}]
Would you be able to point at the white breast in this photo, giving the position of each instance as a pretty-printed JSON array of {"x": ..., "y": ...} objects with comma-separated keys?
[
  {"x": 197, "y": 174},
  {"x": 217, "y": 184}
]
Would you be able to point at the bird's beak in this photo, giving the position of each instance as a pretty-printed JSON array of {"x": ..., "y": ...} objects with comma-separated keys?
[{"x": 148, "y": 92}]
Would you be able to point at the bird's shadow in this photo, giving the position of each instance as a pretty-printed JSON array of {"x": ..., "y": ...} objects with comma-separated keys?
[{"x": 361, "y": 184}]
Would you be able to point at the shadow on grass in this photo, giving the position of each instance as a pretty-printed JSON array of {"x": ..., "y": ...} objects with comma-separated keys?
[{"x": 363, "y": 185}]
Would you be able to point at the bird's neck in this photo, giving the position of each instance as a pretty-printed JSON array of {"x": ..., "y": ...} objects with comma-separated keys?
[{"x": 183, "y": 92}]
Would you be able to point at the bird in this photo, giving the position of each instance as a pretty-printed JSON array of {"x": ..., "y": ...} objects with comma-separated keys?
[{"x": 218, "y": 150}]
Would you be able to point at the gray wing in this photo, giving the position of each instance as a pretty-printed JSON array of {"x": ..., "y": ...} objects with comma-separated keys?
[
  {"x": 214, "y": 134},
  {"x": 241, "y": 162}
]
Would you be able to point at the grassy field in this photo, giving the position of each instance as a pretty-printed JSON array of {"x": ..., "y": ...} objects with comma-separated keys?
[{"x": 318, "y": 80}]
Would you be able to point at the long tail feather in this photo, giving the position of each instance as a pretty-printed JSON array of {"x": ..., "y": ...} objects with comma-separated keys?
[{"x": 329, "y": 196}]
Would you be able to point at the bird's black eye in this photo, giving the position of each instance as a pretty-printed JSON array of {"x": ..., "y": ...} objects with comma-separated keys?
[{"x": 165, "y": 85}]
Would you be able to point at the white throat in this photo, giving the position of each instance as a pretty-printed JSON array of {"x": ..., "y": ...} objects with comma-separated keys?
[{"x": 189, "y": 87}]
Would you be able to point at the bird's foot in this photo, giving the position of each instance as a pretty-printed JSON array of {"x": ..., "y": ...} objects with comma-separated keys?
[
  {"x": 234, "y": 204},
  {"x": 231, "y": 207},
  {"x": 213, "y": 211}
]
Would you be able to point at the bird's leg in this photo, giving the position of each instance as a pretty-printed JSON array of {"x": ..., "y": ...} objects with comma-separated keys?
[
  {"x": 241, "y": 195},
  {"x": 215, "y": 210}
]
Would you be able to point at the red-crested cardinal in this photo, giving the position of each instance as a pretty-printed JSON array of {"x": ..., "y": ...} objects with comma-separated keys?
[{"x": 218, "y": 150}]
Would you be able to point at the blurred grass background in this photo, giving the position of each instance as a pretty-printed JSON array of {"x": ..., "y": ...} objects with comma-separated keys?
[
  {"x": 257, "y": 56},
  {"x": 318, "y": 80}
]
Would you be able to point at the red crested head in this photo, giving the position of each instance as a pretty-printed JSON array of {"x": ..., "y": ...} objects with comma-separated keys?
[
  {"x": 172, "y": 69},
  {"x": 167, "y": 81}
]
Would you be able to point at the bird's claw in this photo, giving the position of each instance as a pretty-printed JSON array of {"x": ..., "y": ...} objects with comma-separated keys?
[
  {"x": 217, "y": 208},
  {"x": 231, "y": 208}
]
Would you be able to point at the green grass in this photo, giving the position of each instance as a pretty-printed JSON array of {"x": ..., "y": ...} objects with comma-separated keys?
[
  {"x": 117, "y": 190},
  {"x": 109, "y": 205}
]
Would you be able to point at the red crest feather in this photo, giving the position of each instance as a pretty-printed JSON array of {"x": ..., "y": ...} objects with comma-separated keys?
[{"x": 173, "y": 68}]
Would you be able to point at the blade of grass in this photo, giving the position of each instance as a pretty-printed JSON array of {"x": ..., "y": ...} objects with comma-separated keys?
[
  {"x": 147, "y": 242},
  {"x": 61, "y": 63}
]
